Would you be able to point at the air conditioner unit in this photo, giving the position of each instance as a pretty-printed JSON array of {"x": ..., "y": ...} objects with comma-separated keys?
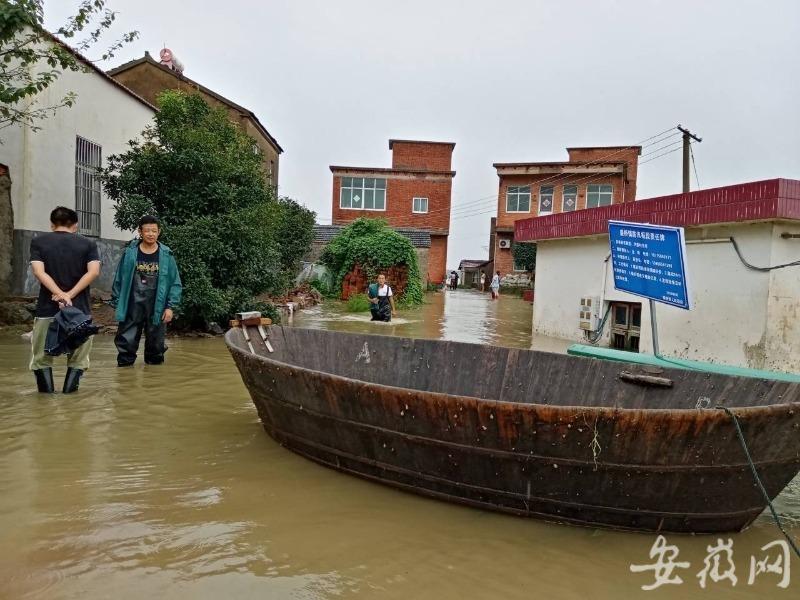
[
  {"x": 505, "y": 243},
  {"x": 589, "y": 316}
]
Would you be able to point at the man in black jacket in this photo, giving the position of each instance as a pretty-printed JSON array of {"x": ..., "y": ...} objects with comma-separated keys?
[{"x": 65, "y": 263}]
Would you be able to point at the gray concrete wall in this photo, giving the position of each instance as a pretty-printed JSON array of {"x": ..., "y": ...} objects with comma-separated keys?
[
  {"x": 6, "y": 233},
  {"x": 23, "y": 283}
]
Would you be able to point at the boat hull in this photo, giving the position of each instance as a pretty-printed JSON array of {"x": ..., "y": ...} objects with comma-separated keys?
[{"x": 623, "y": 468}]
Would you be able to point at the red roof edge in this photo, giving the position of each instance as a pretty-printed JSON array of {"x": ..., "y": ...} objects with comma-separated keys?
[{"x": 755, "y": 201}]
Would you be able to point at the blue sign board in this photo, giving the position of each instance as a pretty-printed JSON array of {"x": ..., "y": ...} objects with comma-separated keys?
[{"x": 650, "y": 261}]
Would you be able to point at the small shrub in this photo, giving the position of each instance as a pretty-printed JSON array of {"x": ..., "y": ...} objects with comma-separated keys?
[
  {"x": 321, "y": 287},
  {"x": 358, "y": 303}
]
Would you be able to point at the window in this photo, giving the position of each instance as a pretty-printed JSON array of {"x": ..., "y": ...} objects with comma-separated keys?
[
  {"x": 545, "y": 199},
  {"x": 598, "y": 195},
  {"x": 625, "y": 325},
  {"x": 518, "y": 198},
  {"x": 88, "y": 160},
  {"x": 363, "y": 193},
  {"x": 420, "y": 205},
  {"x": 518, "y": 266},
  {"x": 569, "y": 198}
]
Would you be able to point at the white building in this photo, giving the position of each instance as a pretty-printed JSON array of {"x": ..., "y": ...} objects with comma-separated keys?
[
  {"x": 58, "y": 165},
  {"x": 741, "y": 315}
]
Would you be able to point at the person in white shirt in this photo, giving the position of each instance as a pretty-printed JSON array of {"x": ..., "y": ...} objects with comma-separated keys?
[
  {"x": 382, "y": 299},
  {"x": 495, "y": 285}
]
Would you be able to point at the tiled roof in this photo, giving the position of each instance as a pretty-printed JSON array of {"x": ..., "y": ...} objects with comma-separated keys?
[
  {"x": 472, "y": 264},
  {"x": 419, "y": 238},
  {"x": 245, "y": 111}
]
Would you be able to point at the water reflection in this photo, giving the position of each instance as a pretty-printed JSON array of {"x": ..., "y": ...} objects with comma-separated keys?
[{"x": 160, "y": 482}]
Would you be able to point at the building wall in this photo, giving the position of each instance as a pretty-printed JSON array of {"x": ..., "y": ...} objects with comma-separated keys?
[
  {"x": 42, "y": 163},
  {"x": 149, "y": 80},
  {"x": 400, "y": 191},
  {"x": 421, "y": 155},
  {"x": 507, "y": 219},
  {"x": 628, "y": 155},
  {"x": 739, "y": 316},
  {"x": 437, "y": 263}
]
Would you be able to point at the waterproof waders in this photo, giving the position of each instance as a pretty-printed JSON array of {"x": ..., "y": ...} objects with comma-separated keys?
[{"x": 139, "y": 318}]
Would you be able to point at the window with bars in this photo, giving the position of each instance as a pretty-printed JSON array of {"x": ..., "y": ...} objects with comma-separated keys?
[
  {"x": 363, "y": 193},
  {"x": 420, "y": 205},
  {"x": 599, "y": 195},
  {"x": 518, "y": 198},
  {"x": 569, "y": 199},
  {"x": 88, "y": 160}
]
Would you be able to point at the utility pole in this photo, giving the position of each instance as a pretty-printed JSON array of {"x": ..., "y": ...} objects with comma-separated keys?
[{"x": 687, "y": 137}]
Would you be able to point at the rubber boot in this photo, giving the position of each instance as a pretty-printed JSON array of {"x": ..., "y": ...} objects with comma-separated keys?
[
  {"x": 72, "y": 380},
  {"x": 44, "y": 380}
]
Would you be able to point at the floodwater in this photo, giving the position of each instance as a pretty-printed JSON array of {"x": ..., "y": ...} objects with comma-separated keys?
[{"x": 159, "y": 482}]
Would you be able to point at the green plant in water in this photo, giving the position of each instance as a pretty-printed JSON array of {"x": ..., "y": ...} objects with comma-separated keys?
[
  {"x": 375, "y": 246},
  {"x": 358, "y": 303}
]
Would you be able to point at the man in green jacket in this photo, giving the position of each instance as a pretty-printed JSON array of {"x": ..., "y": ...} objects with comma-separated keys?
[{"x": 146, "y": 290}]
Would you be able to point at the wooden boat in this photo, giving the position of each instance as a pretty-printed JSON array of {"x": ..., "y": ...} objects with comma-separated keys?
[{"x": 562, "y": 438}]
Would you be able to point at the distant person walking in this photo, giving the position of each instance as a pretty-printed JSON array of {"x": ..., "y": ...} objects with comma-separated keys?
[
  {"x": 483, "y": 281},
  {"x": 381, "y": 299},
  {"x": 453, "y": 280},
  {"x": 147, "y": 288},
  {"x": 65, "y": 263},
  {"x": 495, "y": 285}
]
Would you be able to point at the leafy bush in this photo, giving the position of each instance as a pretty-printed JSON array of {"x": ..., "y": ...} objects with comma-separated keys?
[
  {"x": 197, "y": 172},
  {"x": 358, "y": 303},
  {"x": 525, "y": 254},
  {"x": 321, "y": 287},
  {"x": 375, "y": 246}
]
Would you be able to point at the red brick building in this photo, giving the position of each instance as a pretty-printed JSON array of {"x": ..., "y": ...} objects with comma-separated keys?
[
  {"x": 593, "y": 176},
  {"x": 414, "y": 193}
]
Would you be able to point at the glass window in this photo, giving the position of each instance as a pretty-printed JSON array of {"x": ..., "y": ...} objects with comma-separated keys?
[
  {"x": 368, "y": 193},
  {"x": 569, "y": 199},
  {"x": 599, "y": 195},
  {"x": 346, "y": 198},
  {"x": 621, "y": 315},
  {"x": 420, "y": 205},
  {"x": 88, "y": 160},
  {"x": 369, "y": 199},
  {"x": 518, "y": 198},
  {"x": 636, "y": 316},
  {"x": 545, "y": 199}
]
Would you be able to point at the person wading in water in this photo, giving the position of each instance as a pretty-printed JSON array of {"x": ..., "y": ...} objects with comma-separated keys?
[
  {"x": 382, "y": 299},
  {"x": 147, "y": 288},
  {"x": 65, "y": 263}
]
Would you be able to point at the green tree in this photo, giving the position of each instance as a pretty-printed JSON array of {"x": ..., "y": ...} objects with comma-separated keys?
[
  {"x": 198, "y": 173},
  {"x": 31, "y": 59},
  {"x": 525, "y": 254},
  {"x": 374, "y": 245}
]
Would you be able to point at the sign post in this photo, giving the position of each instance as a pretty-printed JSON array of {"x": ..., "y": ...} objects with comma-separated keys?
[{"x": 650, "y": 261}]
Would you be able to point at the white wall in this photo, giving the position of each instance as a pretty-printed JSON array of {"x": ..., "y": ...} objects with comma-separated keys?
[
  {"x": 739, "y": 316},
  {"x": 42, "y": 163}
]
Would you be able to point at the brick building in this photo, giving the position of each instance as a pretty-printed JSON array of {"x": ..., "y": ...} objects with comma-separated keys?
[
  {"x": 414, "y": 194},
  {"x": 592, "y": 177},
  {"x": 148, "y": 78}
]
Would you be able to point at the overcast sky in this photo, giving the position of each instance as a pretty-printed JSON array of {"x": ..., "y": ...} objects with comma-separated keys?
[{"x": 333, "y": 80}]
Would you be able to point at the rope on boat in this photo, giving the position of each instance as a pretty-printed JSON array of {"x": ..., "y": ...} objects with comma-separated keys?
[{"x": 739, "y": 433}]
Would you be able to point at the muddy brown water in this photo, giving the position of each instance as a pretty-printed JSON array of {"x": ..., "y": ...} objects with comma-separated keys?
[{"x": 159, "y": 482}]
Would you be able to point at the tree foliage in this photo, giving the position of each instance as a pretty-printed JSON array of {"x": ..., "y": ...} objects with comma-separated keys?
[
  {"x": 375, "y": 246},
  {"x": 31, "y": 59},
  {"x": 198, "y": 173},
  {"x": 525, "y": 255}
]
